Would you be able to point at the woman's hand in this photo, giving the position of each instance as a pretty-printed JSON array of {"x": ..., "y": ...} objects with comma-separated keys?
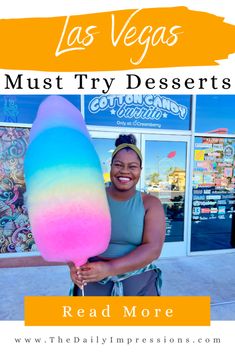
[
  {"x": 74, "y": 274},
  {"x": 94, "y": 271}
]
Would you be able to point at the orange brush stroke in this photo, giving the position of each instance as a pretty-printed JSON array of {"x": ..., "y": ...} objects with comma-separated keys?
[{"x": 31, "y": 44}]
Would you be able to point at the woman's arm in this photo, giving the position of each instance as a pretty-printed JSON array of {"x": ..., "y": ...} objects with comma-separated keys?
[{"x": 149, "y": 250}]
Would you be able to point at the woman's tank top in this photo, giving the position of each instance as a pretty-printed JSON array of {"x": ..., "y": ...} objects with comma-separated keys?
[{"x": 127, "y": 224}]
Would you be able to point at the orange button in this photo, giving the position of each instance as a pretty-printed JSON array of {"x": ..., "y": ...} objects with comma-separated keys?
[{"x": 117, "y": 311}]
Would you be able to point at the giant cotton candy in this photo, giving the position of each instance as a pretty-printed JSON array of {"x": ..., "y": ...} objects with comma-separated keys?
[{"x": 66, "y": 199}]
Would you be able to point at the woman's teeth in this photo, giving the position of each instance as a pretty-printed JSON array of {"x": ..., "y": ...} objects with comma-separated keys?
[{"x": 124, "y": 179}]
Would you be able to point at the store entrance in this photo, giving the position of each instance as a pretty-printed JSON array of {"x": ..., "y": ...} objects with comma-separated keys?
[{"x": 165, "y": 176}]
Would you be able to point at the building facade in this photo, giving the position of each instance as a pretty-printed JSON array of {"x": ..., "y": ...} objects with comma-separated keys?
[{"x": 188, "y": 145}]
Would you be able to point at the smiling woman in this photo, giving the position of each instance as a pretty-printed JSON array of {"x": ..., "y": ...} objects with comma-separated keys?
[{"x": 128, "y": 266}]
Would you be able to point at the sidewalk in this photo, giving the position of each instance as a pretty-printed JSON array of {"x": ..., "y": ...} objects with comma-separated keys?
[{"x": 212, "y": 275}]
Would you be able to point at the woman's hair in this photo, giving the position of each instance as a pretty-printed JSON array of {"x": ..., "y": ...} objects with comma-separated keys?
[
  {"x": 125, "y": 139},
  {"x": 130, "y": 140}
]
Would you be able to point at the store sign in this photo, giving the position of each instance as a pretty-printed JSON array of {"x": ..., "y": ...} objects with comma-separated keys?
[{"x": 138, "y": 111}]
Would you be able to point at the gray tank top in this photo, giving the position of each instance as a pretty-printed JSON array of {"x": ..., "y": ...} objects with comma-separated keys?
[{"x": 127, "y": 225}]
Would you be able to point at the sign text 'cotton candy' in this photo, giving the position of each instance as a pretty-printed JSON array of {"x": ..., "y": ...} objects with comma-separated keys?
[{"x": 66, "y": 198}]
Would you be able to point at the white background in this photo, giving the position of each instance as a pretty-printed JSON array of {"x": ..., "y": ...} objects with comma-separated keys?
[
  {"x": 47, "y": 8},
  {"x": 168, "y": 338}
]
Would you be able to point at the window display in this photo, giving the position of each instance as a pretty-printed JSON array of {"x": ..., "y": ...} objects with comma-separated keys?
[{"x": 213, "y": 209}]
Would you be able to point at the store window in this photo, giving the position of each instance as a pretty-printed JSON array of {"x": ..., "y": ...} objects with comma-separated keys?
[
  {"x": 150, "y": 111},
  {"x": 15, "y": 232},
  {"x": 215, "y": 114},
  {"x": 165, "y": 177},
  {"x": 23, "y": 108},
  {"x": 213, "y": 212}
]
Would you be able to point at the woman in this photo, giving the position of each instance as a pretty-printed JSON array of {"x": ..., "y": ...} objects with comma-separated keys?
[{"x": 137, "y": 237}]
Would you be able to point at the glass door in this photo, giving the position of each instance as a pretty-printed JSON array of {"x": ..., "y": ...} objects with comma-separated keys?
[
  {"x": 164, "y": 175},
  {"x": 165, "y": 169},
  {"x": 104, "y": 143}
]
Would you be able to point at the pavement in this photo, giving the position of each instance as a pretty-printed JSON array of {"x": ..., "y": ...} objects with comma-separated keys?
[{"x": 210, "y": 275}]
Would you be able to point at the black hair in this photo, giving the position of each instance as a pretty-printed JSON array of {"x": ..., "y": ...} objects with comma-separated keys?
[
  {"x": 131, "y": 139},
  {"x": 125, "y": 139}
]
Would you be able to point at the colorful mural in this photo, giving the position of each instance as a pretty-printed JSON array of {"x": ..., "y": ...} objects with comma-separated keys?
[{"x": 15, "y": 232}]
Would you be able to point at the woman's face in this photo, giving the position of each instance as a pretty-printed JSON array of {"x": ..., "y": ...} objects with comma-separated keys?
[{"x": 125, "y": 170}]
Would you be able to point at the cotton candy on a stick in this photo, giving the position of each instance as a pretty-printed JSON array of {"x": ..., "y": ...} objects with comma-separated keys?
[{"x": 66, "y": 198}]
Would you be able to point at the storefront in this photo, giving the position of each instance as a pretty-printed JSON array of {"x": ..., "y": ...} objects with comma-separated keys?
[{"x": 188, "y": 145}]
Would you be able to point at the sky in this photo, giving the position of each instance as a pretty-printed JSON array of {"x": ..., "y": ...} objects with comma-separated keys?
[{"x": 215, "y": 111}]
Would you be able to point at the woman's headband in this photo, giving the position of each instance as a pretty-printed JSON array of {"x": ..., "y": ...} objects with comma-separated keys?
[{"x": 129, "y": 145}]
